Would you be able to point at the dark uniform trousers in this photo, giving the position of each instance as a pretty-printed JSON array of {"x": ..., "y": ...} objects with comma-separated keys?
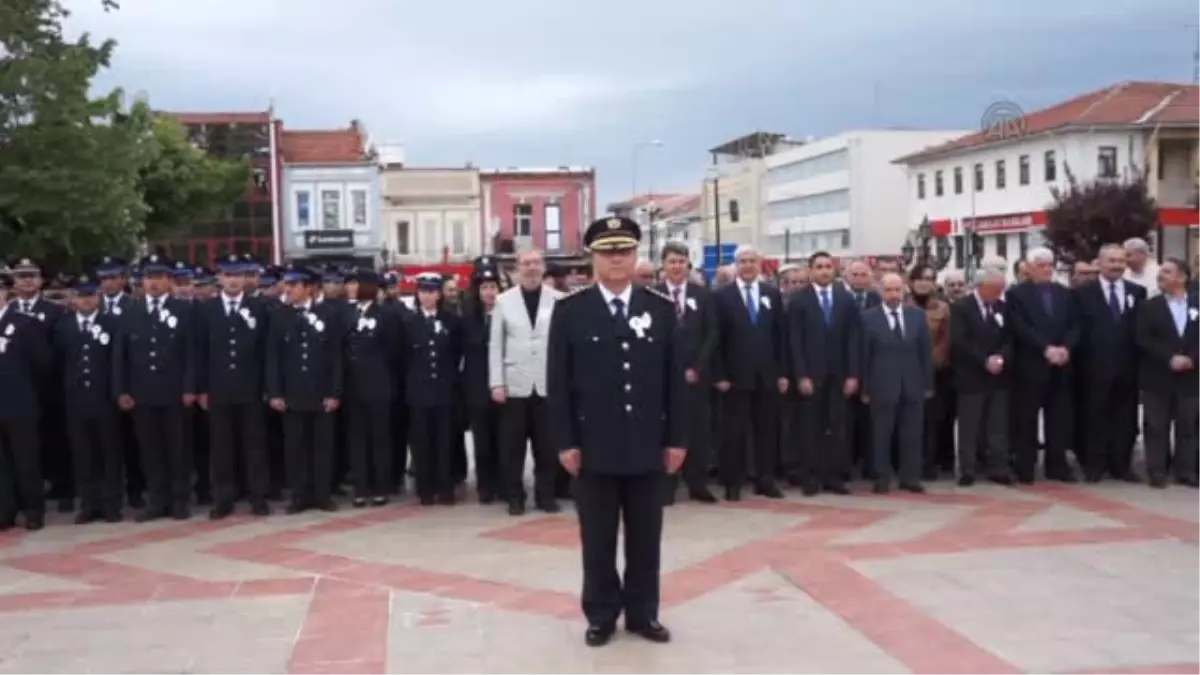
[
  {"x": 308, "y": 439},
  {"x": 825, "y": 412},
  {"x": 277, "y": 466},
  {"x": 369, "y": 426},
  {"x": 524, "y": 420},
  {"x": 201, "y": 454},
  {"x": 485, "y": 435},
  {"x": 430, "y": 430},
  {"x": 399, "y": 461},
  {"x": 165, "y": 458},
  {"x": 700, "y": 450},
  {"x": 1179, "y": 453},
  {"x": 238, "y": 431},
  {"x": 98, "y": 460},
  {"x": 751, "y": 434},
  {"x": 20, "y": 465}
]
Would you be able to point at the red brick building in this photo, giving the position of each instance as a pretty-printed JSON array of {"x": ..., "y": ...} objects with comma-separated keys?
[{"x": 547, "y": 209}]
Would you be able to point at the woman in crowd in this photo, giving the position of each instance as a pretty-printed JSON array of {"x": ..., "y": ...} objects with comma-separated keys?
[
  {"x": 922, "y": 281},
  {"x": 482, "y": 412}
]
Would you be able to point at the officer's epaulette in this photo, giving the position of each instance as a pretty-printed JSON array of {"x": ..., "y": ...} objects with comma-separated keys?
[
  {"x": 576, "y": 292},
  {"x": 655, "y": 291}
]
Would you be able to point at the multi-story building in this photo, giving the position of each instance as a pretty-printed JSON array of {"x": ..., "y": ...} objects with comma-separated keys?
[
  {"x": 547, "y": 209},
  {"x": 331, "y": 198},
  {"x": 732, "y": 198},
  {"x": 841, "y": 194},
  {"x": 250, "y": 226},
  {"x": 998, "y": 182},
  {"x": 431, "y": 215}
]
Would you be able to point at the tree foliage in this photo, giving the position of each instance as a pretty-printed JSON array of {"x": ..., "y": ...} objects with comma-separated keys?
[
  {"x": 1087, "y": 215},
  {"x": 79, "y": 174}
]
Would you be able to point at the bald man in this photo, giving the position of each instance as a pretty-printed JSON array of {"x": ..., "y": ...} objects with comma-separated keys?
[{"x": 643, "y": 274}]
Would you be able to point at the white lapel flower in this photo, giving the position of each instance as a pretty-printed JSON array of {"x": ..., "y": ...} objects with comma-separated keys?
[
  {"x": 103, "y": 339},
  {"x": 312, "y": 318},
  {"x": 365, "y": 324},
  {"x": 437, "y": 326},
  {"x": 1129, "y": 300},
  {"x": 319, "y": 326},
  {"x": 765, "y": 302},
  {"x": 3, "y": 345},
  {"x": 116, "y": 310},
  {"x": 96, "y": 330},
  {"x": 1193, "y": 313},
  {"x": 691, "y": 304},
  {"x": 172, "y": 322},
  {"x": 640, "y": 324},
  {"x": 163, "y": 315},
  {"x": 9, "y": 329},
  {"x": 999, "y": 319},
  {"x": 41, "y": 316}
]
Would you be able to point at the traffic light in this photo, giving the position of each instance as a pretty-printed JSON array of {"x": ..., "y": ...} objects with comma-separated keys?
[{"x": 733, "y": 211}]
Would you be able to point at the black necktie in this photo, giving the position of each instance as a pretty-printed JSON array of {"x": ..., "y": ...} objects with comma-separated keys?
[
  {"x": 27, "y": 307},
  {"x": 618, "y": 306},
  {"x": 154, "y": 306},
  {"x": 87, "y": 326},
  {"x": 1114, "y": 303},
  {"x": 896, "y": 329},
  {"x": 232, "y": 307},
  {"x": 860, "y": 299}
]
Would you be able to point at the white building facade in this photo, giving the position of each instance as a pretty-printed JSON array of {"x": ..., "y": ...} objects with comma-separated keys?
[
  {"x": 842, "y": 195},
  {"x": 431, "y": 215},
  {"x": 331, "y": 213}
]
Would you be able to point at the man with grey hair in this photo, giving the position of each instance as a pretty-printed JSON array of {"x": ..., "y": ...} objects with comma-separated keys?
[
  {"x": 643, "y": 273},
  {"x": 981, "y": 356},
  {"x": 994, "y": 263},
  {"x": 954, "y": 285},
  {"x": 1140, "y": 268},
  {"x": 1045, "y": 326},
  {"x": 724, "y": 275}
]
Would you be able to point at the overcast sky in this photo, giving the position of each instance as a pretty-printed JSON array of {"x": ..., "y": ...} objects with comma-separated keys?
[{"x": 554, "y": 82}]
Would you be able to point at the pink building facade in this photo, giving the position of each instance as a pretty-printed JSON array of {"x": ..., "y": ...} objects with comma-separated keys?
[{"x": 548, "y": 209}]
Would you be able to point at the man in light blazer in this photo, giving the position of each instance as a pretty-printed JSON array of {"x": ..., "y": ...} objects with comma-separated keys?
[
  {"x": 517, "y": 375},
  {"x": 897, "y": 378}
]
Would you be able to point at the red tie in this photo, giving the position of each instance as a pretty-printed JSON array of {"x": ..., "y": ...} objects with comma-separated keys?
[{"x": 678, "y": 304}]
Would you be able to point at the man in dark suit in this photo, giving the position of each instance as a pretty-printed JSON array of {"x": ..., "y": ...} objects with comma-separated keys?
[
  {"x": 859, "y": 281},
  {"x": 981, "y": 356},
  {"x": 394, "y": 304},
  {"x": 617, "y": 415},
  {"x": 230, "y": 342},
  {"x": 85, "y": 340},
  {"x": 1170, "y": 341},
  {"x": 1107, "y": 368},
  {"x": 154, "y": 376},
  {"x": 1045, "y": 323},
  {"x": 823, "y": 329},
  {"x": 697, "y": 332},
  {"x": 116, "y": 302},
  {"x": 897, "y": 377},
  {"x": 25, "y": 362},
  {"x": 754, "y": 375}
]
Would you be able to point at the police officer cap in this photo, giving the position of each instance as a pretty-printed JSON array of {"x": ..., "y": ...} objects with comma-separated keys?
[
  {"x": 333, "y": 275},
  {"x": 61, "y": 281},
  {"x": 429, "y": 281},
  {"x": 269, "y": 275},
  {"x": 614, "y": 233},
  {"x": 390, "y": 279},
  {"x": 110, "y": 266},
  {"x": 182, "y": 270},
  {"x": 485, "y": 273},
  {"x": 295, "y": 274},
  {"x": 86, "y": 285},
  {"x": 484, "y": 261},
  {"x": 156, "y": 264},
  {"x": 232, "y": 264},
  {"x": 252, "y": 263},
  {"x": 202, "y": 276},
  {"x": 366, "y": 276},
  {"x": 25, "y": 266}
]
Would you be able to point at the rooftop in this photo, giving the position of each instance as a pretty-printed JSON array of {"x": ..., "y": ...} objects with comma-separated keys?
[
  {"x": 1127, "y": 104},
  {"x": 537, "y": 171},
  {"x": 757, "y": 144},
  {"x": 263, "y": 117},
  {"x": 325, "y": 146}
]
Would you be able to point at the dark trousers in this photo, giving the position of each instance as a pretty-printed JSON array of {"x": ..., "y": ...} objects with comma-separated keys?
[
  {"x": 948, "y": 396},
  {"x": 239, "y": 432},
  {"x": 826, "y": 457},
  {"x": 458, "y": 435},
  {"x": 308, "y": 441},
  {"x": 904, "y": 422},
  {"x": 275, "y": 453},
  {"x": 1160, "y": 411},
  {"x": 165, "y": 458},
  {"x": 791, "y": 437},
  {"x": 340, "y": 467},
  {"x": 201, "y": 454},
  {"x": 370, "y": 427},
  {"x": 399, "y": 442},
  {"x": 20, "y": 468},
  {"x": 135, "y": 478},
  {"x": 934, "y": 409},
  {"x": 751, "y": 426},
  {"x": 605, "y": 502},
  {"x": 523, "y": 422},
  {"x": 98, "y": 461},
  {"x": 56, "y": 449},
  {"x": 860, "y": 437},
  {"x": 429, "y": 430},
  {"x": 983, "y": 427},
  {"x": 485, "y": 437},
  {"x": 1053, "y": 399},
  {"x": 1110, "y": 426},
  {"x": 700, "y": 445}
]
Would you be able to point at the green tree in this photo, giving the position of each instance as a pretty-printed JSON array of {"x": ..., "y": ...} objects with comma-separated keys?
[
  {"x": 1087, "y": 215},
  {"x": 69, "y": 162},
  {"x": 182, "y": 184}
]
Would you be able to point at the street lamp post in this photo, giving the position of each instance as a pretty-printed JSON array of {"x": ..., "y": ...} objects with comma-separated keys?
[
  {"x": 916, "y": 247},
  {"x": 652, "y": 213}
]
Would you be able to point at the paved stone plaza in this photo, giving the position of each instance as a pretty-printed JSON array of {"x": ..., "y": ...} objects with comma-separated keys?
[{"x": 991, "y": 580}]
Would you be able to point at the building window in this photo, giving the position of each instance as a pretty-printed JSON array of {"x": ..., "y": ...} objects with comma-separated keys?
[
  {"x": 958, "y": 180},
  {"x": 1001, "y": 174},
  {"x": 845, "y": 239},
  {"x": 1002, "y": 245},
  {"x": 958, "y": 251},
  {"x": 358, "y": 209},
  {"x": 1023, "y": 169},
  {"x": 834, "y": 201},
  {"x": 431, "y": 243},
  {"x": 403, "y": 237},
  {"x": 979, "y": 178},
  {"x": 553, "y": 227},
  {"x": 920, "y": 186},
  {"x": 734, "y": 211},
  {"x": 1050, "y": 168},
  {"x": 303, "y": 209},
  {"x": 830, "y": 162},
  {"x": 522, "y": 220},
  {"x": 458, "y": 237},
  {"x": 939, "y": 186},
  {"x": 1107, "y": 162},
  {"x": 331, "y": 209}
]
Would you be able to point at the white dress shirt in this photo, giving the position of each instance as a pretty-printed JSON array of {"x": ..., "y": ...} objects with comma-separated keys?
[
  {"x": 897, "y": 318},
  {"x": 1119, "y": 285},
  {"x": 609, "y": 296},
  {"x": 681, "y": 299}
]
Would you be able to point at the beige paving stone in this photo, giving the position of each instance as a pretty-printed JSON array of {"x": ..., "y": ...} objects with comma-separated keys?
[
  {"x": 906, "y": 525},
  {"x": 1061, "y": 518},
  {"x": 13, "y": 581},
  {"x": 172, "y": 558}
]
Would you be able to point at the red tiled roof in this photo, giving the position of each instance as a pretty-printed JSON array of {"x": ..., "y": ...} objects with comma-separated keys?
[
  {"x": 220, "y": 117},
  {"x": 323, "y": 147},
  {"x": 680, "y": 205},
  {"x": 639, "y": 201},
  {"x": 1126, "y": 104}
]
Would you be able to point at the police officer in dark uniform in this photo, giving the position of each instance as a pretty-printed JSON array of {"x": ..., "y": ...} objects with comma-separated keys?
[
  {"x": 269, "y": 294},
  {"x": 154, "y": 376},
  {"x": 483, "y": 412},
  {"x": 394, "y": 304},
  {"x": 304, "y": 378},
  {"x": 231, "y": 331},
  {"x": 616, "y": 405},
  {"x": 434, "y": 350},
  {"x": 25, "y": 361},
  {"x": 116, "y": 301},
  {"x": 85, "y": 340}
]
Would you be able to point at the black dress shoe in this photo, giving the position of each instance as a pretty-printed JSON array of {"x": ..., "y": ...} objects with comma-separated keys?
[
  {"x": 811, "y": 488},
  {"x": 702, "y": 495},
  {"x": 733, "y": 494},
  {"x": 220, "y": 511},
  {"x": 181, "y": 512},
  {"x": 598, "y": 636},
  {"x": 1190, "y": 481},
  {"x": 652, "y": 631},
  {"x": 203, "y": 499},
  {"x": 359, "y": 502},
  {"x": 837, "y": 489},
  {"x": 549, "y": 506},
  {"x": 486, "y": 497},
  {"x": 966, "y": 480},
  {"x": 294, "y": 507},
  {"x": 379, "y": 501},
  {"x": 327, "y": 505},
  {"x": 1001, "y": 479},
  {"x": 7, "y": 523},
  {"x": 151, "y": 513},
  {"x": 1093, "y": 476},
  {"x": 516, "y": 508},
  {"x": 86, "y": 516},
  {"x": 34, "y": 521},
  {"x": 427, "y": 500},
  {"x": 1025, "y": 479},
  {"x": 66, "y": 505},
  {"x": 915, "y": 488},
  {"x": 768, "y": 490},
  {"x": 881, "y": 487},
  {"x": 260, "y": 507},
  {"x": 929, "y": 474},
  {"x": 447, "y": 498},
  {"x": 1158, "y": 481},
  {"x": 113, "y": 516},
  {"x": 1062, "y": 476},
  {"x": 1127, "y": 476}
]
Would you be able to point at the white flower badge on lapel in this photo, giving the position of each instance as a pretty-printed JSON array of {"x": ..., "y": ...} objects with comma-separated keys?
[
  {"x": 96, "y": 329},
  {"x": 172, "y": 322},
  {"x": 116, "y": 310},
  {"x": 640, "y": 324},
  {"x": 251, "y": 322},
  {"x": 9, "y": 330},
  {"x": 999, "y": 319},
  {"x": 765, "y": 302},
  {"x": 317, "y": 324},
  {"x": 1193, "y": 313},
  {"x": 103, "y": 339},
  {"x": 3, "y": 345},
  {"x": 691, "y": 304},
  {"x": 437, "y": 326},
  {"x": 1129, "y": 300},
  {"x": 366, "y": 323},
  {"x": 41, "y": 316}
]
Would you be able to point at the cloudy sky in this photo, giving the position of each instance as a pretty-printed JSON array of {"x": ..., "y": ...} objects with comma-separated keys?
[{"x": 553, "y": 82}]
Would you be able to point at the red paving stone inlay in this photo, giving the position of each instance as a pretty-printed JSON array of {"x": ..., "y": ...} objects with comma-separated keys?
[{"x": 347, "y": 622}]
